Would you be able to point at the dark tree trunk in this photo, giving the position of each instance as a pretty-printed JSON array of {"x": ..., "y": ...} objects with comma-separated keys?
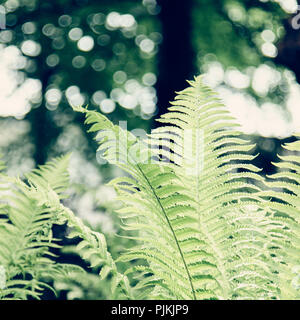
[
  {"x": 43, "y": 129},
  {"x": 176, "y": 56},
  {"x": 289, "y": 46}
]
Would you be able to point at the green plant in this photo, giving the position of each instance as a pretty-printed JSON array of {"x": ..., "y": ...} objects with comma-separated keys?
[
  {"x": 206, "y": 224},
  {"x": 25, "y": 230},
  {"x": 28, "y": 212}
]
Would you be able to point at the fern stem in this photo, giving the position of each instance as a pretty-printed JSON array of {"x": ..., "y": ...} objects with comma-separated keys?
[
  {"x": 173, "y": 232},
  {"x": 86, "y": 234}
]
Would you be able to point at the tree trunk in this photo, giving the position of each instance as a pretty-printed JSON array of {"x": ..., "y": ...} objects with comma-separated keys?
[
  {"x": 43, "y": 130},
  {"x": 289, "y": 46},
  {"x": 176, "y": 56}
]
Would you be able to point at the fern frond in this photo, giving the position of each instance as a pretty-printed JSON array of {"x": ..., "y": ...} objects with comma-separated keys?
[
  {"x": 93, "y": 248},
  {"x": 145, "y": 204},
  {"x": 25, "y": 231},
  {"x": 285, "y": 207},
  {"x": 203, "y": 224},
  {"x": 53, "y": 174},
  {"x": 214, "y": 167}
]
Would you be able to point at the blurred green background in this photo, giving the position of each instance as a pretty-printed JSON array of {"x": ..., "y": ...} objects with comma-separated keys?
[{"x": 126, "y": 59}]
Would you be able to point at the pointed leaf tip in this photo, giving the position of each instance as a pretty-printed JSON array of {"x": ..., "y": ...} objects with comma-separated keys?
[{"x": 79, "y": 109}]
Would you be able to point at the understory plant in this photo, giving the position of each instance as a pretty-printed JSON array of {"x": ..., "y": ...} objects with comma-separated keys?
[{"x": 206, "y": 224}]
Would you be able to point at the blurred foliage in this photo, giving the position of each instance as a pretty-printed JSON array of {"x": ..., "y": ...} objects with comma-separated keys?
[
  {"x": 82, "y": 52},
  {"x": 241, "y": 36},
  {"x": 108, "y": 54}
]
